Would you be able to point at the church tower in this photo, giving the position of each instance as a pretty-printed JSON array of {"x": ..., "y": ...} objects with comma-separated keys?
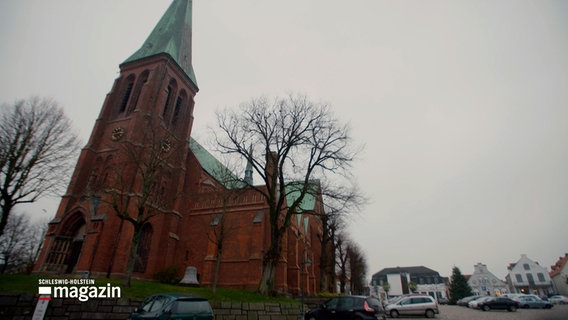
[{"x": 135, "y": 158}]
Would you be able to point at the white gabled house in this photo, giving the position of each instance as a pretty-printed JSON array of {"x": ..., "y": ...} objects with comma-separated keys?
[
  {"x": 483, "y": 282},
  {"x": 527, "y": 276}
]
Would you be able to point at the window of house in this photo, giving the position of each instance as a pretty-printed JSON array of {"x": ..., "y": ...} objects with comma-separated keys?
[
  {"x": 519, "y": 278},
  {"x": 530, "y": 278},
  {"x": 541, "y": 277},
  {"x": 526, "y": 266}
]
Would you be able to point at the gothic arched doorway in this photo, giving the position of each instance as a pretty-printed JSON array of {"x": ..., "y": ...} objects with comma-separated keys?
[
  {"x": 76, "y": 245},
  {"x": 66, "y": 248}
]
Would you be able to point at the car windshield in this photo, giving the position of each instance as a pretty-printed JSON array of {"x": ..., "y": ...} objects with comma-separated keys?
[
  {"x": 395, "y": 300},
  {"x": 191, "y": 306}
]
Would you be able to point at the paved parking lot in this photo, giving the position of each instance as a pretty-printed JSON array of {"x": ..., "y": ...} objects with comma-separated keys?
[{"x": 559, "y": 312}]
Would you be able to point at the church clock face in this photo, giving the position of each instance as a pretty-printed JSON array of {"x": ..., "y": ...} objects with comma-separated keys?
[{"x": 117, "y": 133}]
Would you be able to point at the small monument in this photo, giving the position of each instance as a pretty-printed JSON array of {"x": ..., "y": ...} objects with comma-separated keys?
[{"x": 190, "y": 277}]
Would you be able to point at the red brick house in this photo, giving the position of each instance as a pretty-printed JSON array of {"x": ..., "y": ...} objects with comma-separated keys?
[{"x": 86, "y": 237}]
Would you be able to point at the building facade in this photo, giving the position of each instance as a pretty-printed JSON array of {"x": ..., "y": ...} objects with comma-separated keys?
[
  {"x": 406, "y": 280},
  {"x": 483, "y": 282},
  {"x": 527, "y": 276},
  {"x": 147, "y": 118},
  {"x": 559, "y": 275}
]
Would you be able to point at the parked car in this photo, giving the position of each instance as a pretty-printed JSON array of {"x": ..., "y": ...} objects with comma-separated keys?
[
  {"x": 465, "y": 301},
  {"x": 173, "y": 306},
  {"x": 398, "y": 298},
  {"x": 498, "y": 303},
  {"x": 512, "y": 295},
  {"x": 474, "y": 304},
  {"x": 347, "y": 307},
  {"x": 443, "y": 301},
  {"x": 532, "y": 301},
  {"x": 413, "y": 305},
  {"x": 558, "y": 299}
]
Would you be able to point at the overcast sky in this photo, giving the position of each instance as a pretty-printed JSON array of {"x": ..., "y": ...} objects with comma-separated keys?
[{"x": 462, "y": 106}]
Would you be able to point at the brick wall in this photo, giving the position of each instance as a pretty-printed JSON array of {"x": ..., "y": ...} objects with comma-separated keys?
[{"x": 21, "y": 307}]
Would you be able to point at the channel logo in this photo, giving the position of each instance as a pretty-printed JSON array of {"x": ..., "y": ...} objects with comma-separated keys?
[{"x": 81, "y": 292}]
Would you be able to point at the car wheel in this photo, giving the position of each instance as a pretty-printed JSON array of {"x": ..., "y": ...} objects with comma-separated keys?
[
  {"x": 512, "y": 309},
  {"x": 394, "y": 314},
  {"x": 485, "y": 308},
  {"x": 430, "y": 313}
]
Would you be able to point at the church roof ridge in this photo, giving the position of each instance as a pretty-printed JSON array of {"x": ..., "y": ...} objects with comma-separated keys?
[
  {"x": 213, "y": 166},
  {"x": 172, "y": 36}
]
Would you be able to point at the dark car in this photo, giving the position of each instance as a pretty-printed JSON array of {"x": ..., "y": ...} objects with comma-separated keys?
[
  {"x": 499, "y": 303},
  {"x": 174, "y": 306},
  {"x": 347, "y": 308}
]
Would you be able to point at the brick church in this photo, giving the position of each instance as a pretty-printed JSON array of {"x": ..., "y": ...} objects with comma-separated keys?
[{"x": 154, "y": 93}]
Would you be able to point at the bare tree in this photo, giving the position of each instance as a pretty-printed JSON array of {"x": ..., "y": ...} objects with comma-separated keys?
[
  {"x": 351, "y": 264},
  {"x": 231, "y": 190},
  {"x": 340, "y": 204},
  {"x": 342, "y": 261},
  {"x": 136, "y": 187},
  {"x": 20, "y": 244},
  {"x": 357, "y": 268},
  {"x": 37, "y": 155},
  {"x": 300, "y": 142}
]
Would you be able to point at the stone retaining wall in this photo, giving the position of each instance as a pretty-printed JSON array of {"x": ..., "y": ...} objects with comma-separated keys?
[{"x": 22, "y": 306}]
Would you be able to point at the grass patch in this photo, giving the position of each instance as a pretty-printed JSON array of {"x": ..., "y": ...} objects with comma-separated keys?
[{"x": 142, "y": 289}]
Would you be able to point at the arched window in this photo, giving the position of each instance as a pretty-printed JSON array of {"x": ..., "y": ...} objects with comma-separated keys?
[
  {"x": 170, "y": 93},
  {"x": 143, "y": 251},
  {"x": 180, "y": 104},
  {"x": 141, "y": 81},
  {"x": 126, "y": 93}
]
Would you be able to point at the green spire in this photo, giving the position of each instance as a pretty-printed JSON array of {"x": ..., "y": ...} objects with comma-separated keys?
[{"x": 172, "y": 35}]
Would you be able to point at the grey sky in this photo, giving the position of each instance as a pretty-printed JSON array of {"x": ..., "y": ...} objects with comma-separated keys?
[{"x": 462, "y": 105}]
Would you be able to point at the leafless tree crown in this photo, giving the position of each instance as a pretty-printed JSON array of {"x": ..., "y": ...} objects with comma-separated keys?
[
  {"x": 295, "y": 146},
  {"x": 38, "y": 152}
]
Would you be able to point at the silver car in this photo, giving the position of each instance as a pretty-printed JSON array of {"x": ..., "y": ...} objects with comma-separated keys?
[{"x": 413, "y": 305}]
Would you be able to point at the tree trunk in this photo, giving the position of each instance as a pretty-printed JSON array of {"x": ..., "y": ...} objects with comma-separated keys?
[
  {"x": 270, "y": 263},
  {"x": 6, "y": 208},
  {"x": 133, "y": 254},
  {"x": 216, "y": 274},
  {"x": 266, "y": 286}
]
